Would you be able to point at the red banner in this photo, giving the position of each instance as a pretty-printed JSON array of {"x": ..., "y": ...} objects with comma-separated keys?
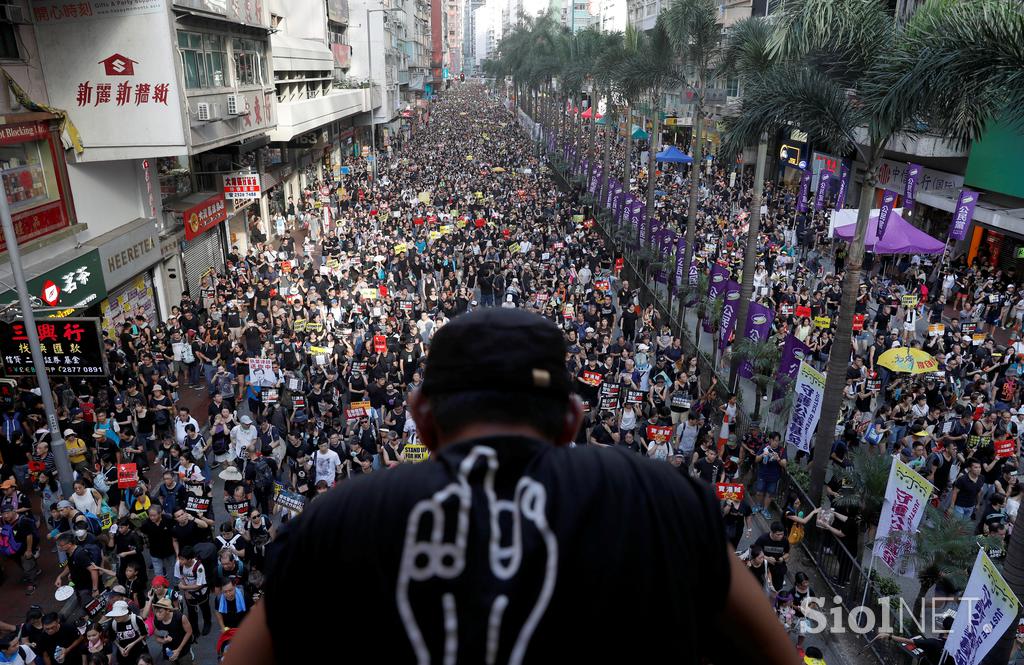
[
  {"x": 803, "y": 312},
  {"x": 602, "y": 285},
  {"x": 730, "y": 491},
  {"x": 380, "y": 344},
  {"x": 858, "y": 322},
  {"x": 127, "y": 476},
  {"x": 659, "y": 433},
  {"x": 592, "y": 378},
  {"x": 1006, "y": 448},
  {"x": 204, "y": 216},
  {"x": 619, "y": 263}
]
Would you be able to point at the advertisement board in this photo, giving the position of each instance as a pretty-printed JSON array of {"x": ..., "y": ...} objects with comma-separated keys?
[{"x": 71, "y": 347}]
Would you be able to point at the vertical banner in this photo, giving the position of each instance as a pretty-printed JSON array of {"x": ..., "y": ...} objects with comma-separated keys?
[
  {"x": 962, "y": 214},
  {"x": 809, "y": 391},
  {"x": 668, "y": 240},
  {"x": 645, "y": 231},
  {"x": 730, "y": 308},
  {"x": 888, "y": 199},
  {"x": 805, "y": 187},
  {"x": 793, "y": 352},
  {"x": 986, "y": 608},
  {"x": 906, "y": 497},
  {"x": 910, "y": 186},
  {"x": 759, "y": 325},
  {"x": 680, "y": 255},
  {"x": 824, "y": 183},
  {"x": 634, "y": 218},
  {"x": 716, "y": 282},
  {"x": 844, "y": 184}
]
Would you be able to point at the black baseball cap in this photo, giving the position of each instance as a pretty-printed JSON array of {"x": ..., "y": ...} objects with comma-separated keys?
[{"x": 502, "y": 349}]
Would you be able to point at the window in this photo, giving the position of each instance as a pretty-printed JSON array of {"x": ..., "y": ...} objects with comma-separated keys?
[
  {"x": 9, "y": 42},
  {"x": 204, "y": 60},
  {"x": 732, "y": 87},
  {"x": 248, "y": 57},
  {"x": 28, "y": 174}
]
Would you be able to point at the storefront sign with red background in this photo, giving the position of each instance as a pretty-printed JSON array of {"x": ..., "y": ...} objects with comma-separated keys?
[{"x": 204, "y": 216}]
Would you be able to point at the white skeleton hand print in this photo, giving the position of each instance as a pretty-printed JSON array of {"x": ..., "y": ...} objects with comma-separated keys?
[{"x": 441, "y": 555}]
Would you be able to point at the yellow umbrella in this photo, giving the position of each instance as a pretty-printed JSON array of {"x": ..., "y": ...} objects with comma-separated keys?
[
  {"x": 909, "y": 361},
  {"x": 497, "y": 169}
]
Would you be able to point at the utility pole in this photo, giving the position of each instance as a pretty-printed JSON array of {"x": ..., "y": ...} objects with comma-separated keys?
[{"x": 57, "y": 446}]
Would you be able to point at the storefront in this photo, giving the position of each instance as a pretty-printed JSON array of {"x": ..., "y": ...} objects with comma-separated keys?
[
  {"x": 793, "y": 156},
  {"x": 203, "y": 215},
  {"x": 74, "y": 287},
  {"x": 241, "y": 231},
  {"x": 936, "y": 195},
  {"x": 128, "y": 256},
  {"x": 35, "y": 179}
]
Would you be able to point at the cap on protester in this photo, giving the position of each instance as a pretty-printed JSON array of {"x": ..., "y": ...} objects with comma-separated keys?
[
  {"x": 160, "y": 580},
  {"x": 120, "y": 609},
  {"x": 508, "y": 350},
  {"x": 64, "y": 503}
]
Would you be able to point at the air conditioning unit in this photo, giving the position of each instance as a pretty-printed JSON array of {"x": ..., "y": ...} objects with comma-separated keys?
[
  {"x": 203, "y": 111},
  {"x": 12, "y": 14},
  {"x": 237, "y": 105}
]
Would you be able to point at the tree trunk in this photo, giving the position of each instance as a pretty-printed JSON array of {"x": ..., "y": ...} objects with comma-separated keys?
[
  {"x": 839, "y": 358},
  {"x": 1013, "y": 572},
  {"x": 592, "y": 142},
  {"x": 629, "y": 148},
  {"x": 652, "y": 150},
  {"x": 609, "y": 123},
  {"x": 758, "y": 398},
  {"x": 691, "y": 210},
  {"x": 750, "y": 252}
]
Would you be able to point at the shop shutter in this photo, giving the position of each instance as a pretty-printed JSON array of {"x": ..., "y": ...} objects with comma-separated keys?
[{"x": 199, "y": 256}]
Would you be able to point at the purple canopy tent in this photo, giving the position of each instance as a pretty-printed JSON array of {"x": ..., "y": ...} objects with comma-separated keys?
[{"x": 901, "y": 237}]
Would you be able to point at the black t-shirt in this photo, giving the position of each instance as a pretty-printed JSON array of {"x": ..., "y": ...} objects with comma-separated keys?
[
  {"x": 79, "y": 562},
  {"x": 563, "y": 503},
  {"x": 967, "y": 497}
]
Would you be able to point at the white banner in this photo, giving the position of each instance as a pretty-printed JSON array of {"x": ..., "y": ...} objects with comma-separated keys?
[
  {"x": 906, "y": 497},
  {"x": 987, "y": 608},
  {"x": 809, "y": 390}
]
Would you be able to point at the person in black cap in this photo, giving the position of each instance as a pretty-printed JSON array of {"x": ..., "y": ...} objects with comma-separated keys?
[{"x": 507, "y": 538}]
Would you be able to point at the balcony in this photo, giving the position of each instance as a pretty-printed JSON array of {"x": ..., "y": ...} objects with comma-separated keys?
[
  {"x": 298, "y": 117},
  {"x": 403, "y": 77}
]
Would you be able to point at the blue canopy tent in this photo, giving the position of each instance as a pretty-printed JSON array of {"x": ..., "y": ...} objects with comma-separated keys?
[{"x": 673, "y": 155}]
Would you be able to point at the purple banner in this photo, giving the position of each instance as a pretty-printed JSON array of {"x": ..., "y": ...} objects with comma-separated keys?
[
  {"x": 910, "y": 186},
  {"x": 636, "y": 217},
  {"x": 824, "y": 182},
  {"x": 844, "y": 184},
  {"x": 793, "y": 351},
  {"x": 625, "y": 204},
  {"x": 805, "y": 187},
  {"x": 610, "y": 194},
  {"x": 680, "y": 255},
  {"x": 962, "y": 214},
  {"x": 716, "y": 283},
  {"x": 759, "y": 327},
  {"x": 885, "y": 212},
  {"x": 665, "y": 242},
  {"x": 730, "y": 308},
  {"x": 617, "y": 202}
]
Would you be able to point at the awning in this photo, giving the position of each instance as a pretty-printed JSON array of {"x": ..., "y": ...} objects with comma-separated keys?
[
  {"x": 673, "y": 155},
  {"x": 901, "y": 237},
  {"x": 640, "y": 134}
]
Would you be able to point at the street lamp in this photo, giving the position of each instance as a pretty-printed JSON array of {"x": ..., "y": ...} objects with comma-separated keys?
[
  {"x": 57, "y": 445},
  {"x": 373, "y": 114}
]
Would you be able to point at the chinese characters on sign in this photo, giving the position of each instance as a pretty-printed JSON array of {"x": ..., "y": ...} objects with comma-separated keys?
[
  {"x": 48, "y": 11},
  {"x": 204, "y": 216},
  {"x": 242, "y": 186},
  {"x": 71, "y": 347}
]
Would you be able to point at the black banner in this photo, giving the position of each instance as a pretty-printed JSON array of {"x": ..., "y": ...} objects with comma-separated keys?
[{"x": 71, "y": 347}]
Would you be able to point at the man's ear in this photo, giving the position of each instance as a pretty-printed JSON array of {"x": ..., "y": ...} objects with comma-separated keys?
[
  {"x": 423, "y": 416},
  {"x": 573, "y": 420}
]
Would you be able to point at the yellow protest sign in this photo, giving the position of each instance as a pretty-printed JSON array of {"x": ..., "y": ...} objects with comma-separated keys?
[
  {"x": 318, "y": 350},
  {"x": 400, "y": 247},
  {"x": 416, "y": 453},
  {"x": 434, "y": 235},
  {"x": 822, "y": 322},
  {"x": 935, "y": 329},
  {"x": 479, "y": 195},
  {"x": 514, "y": 248},
  {"x": 909, "y": 300},
  {"x": 461, "y": 223},
  {"x": 469, "y": 158},
  {"x": 368, "y": 293},
  {"x": 299, "y": 325},
  {"x": 424, "y": 198},
  {"x": 446, "y": 229}
]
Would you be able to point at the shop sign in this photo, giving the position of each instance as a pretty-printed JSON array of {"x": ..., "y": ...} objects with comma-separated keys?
[
  {"x": 791, "y": 154},
  {"x": 893, "y": 175},
  {"x": 129, "y": 254},
  {"x": 47, "y": 11},
  {"x": 242, "y": 186},
  {"x": 71, "y": 347},
  {"x": 205, "y": 216},
  {"x": 76, "y": 284},
  {"x": 33, "y": 222},
  {"x": 251, "y": 12}
]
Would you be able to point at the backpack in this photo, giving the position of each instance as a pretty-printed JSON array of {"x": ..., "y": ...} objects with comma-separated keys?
[
  {"x": 93, "y": 523},
  {"x": 264, "y": 475},
  {"x": 8, "y": 545},
  {"x": 94, "y": 552}
]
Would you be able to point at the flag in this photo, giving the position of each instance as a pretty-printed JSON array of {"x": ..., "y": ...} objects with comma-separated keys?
[
  {"x": 824, "y": 182},
  {"x": 759, "y": 325},
  {"x": 906, "y": 497},
  {"x": 793, "y": 351},
  {"x": 730, "y": 309},
  {"x": 680, "y": 256},
  {"x": 987, "y": 608},
  {"x": 962, "y": 214},
  {"x": 809, "y": 392},
  {"x": 805, "y": 186},
  {"x": 910, "y": 186},
  {"x": 716, "y": 282},
  {"x": 844, "y": 184},
  {"x": 888, "y": 199}
]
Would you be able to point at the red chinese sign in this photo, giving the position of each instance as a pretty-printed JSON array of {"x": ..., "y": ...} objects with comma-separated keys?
[
  {"x": 96, "y": 93},
  {"x": 659, "y": 433},
  {"x": 729, "y": 491},
  {"x": 591, "y": 378},
  {"x": 1006, "y": 448},
  {"x": 858, "y": 322},
  {"x": 242, "y": 186},
  {"x": 127, "y": 476},
  {"x": 380, "y": 344},
  {"x": 204, "y": 216},
  {"x": 803, "y": 312}
]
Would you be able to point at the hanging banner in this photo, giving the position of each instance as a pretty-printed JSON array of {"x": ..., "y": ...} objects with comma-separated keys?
[
  {"x": 824, "y": 184},
  {"x": 844, "y": 184},
  {"x": 680, "y": 256},
  {"x": 809, "y": 391},
  {"x": 906, "y": 497},
  {"x": 962, "y": 214},
  {"x": 910, "y": 186},
  {"x": 885, "y": 211},
  {"x": 987, "y": 607},
  {"x": 805, "y": 186},
  {"x": 793, "y": 352},
  {"x": 759, "y": 326},
  {"x": 635, "y": 217},
  {"x": 730, "y": 308},
  {"x": 716, "y": 282}
]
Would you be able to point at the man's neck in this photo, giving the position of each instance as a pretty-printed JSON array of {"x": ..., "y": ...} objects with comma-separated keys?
[{"x": 485, "y": 430}]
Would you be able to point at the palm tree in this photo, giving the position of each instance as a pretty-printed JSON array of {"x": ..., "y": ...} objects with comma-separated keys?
[
  {"x": 649, "y": 72},
  {"x": 630, "y": 45},
  {"x": 746, "y": 55},
  {"x": 694, "y": 29},
  {"x": 842, "y": 62},
  {"x": 866, "y": 478},
  {"x": 944, "y": 549},
  {"x": 612, "y": 53},
  {"x": 763, "y": 355}
]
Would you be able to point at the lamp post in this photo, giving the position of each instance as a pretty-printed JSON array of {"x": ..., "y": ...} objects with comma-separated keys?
[
  {"x": 57, "y": 445},
  {"x": 369, "y": 66}
]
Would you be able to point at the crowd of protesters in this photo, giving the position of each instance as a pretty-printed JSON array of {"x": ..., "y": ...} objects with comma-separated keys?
[{"x": 305, "y": 349}]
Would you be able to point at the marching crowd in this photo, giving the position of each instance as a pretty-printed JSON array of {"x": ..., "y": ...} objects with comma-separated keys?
[{"x": 308, "y": 348}]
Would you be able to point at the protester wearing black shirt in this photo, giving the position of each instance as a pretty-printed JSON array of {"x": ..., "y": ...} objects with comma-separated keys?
[{"x": 496, "y": 457}]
